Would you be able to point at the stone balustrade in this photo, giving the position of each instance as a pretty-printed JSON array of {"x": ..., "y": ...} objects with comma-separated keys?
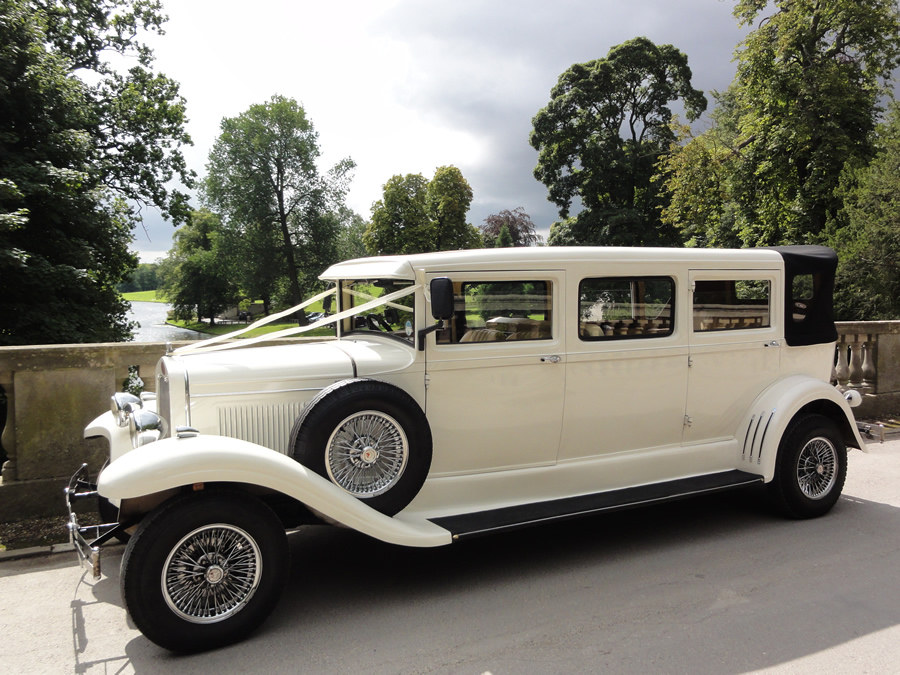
[
  {"x": 868, "y": 360},
  {"x": 54, "y": 391}
]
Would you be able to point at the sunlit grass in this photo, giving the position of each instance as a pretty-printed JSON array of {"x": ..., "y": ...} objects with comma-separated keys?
[
  {"x": 225, "y": 328},
  {"x": 143, "y": 296}
]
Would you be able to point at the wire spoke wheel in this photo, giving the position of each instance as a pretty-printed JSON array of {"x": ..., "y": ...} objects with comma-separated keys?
[
  {"x": 367, "y": 453},
  {"x": 817, "y": 467},
  {"x": 212, "y": 573}
]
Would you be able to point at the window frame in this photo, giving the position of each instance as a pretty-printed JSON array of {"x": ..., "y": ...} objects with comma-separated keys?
[{"x": 604, "y": 337}]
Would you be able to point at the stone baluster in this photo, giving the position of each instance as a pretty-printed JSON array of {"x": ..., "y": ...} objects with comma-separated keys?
[
  {"x": 841, "y": 372},
  {"x": 856, "y": 371},
  {"x": 869, "y": 372}
]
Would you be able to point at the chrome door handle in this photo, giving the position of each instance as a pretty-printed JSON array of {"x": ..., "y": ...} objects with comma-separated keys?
[
  {"x": 551, "y": 359},
  {"x": 773, "y": 343}
]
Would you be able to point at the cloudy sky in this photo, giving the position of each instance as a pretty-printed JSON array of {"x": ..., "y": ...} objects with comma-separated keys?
[{"x": 405, "y": 86}]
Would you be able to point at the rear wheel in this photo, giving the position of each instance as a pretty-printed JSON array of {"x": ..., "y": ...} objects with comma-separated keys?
[
  {"x": 810, "y": 468},
  {"x": 204, "y": 570}
]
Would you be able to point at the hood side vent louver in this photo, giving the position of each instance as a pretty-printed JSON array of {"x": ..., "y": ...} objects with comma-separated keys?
[{"x": 266, "y": 425}]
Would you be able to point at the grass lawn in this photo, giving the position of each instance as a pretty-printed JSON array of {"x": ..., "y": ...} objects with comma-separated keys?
[
  {"x": 225, "y": 328},
  {"x": 143, "y": 296}
]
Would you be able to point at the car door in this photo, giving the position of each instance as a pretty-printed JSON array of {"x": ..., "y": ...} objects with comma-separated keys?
[
  {"x": 495, "y": 382},
  {"x": 735, "y": 348},
  {"x": 627, "y": 366}
]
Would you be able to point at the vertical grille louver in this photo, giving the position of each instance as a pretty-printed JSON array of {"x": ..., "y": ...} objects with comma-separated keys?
[{"x": 269, "y": 425}]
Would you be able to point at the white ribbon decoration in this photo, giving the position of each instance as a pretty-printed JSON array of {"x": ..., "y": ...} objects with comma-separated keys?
[{"x": 202, "y": 346}]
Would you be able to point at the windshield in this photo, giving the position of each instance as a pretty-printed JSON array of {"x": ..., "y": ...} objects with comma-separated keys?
[{"x": 395, "y": 318}]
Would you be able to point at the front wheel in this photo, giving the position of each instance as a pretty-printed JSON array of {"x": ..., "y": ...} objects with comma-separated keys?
[
  {"x": 810, "y": 468},
  {"x": 204, "y": 570}
]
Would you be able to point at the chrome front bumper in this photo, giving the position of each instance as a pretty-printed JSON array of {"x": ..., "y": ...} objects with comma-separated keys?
[{"x": 88, "y": 539}]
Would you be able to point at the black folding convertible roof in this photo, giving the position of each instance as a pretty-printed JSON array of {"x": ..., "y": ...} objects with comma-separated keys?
[{"x": 808, "y": 320}]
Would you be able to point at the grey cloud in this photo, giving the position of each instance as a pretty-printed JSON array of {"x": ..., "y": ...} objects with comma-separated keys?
[{"x": 487, "y": 68}]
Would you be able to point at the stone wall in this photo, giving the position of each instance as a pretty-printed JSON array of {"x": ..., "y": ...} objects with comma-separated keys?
[{"x": 52, "y": 393}]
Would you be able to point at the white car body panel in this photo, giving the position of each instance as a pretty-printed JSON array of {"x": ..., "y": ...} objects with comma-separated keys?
[
  {"x": 512, "y": 422},
  {"x": 175, "y": 462}
]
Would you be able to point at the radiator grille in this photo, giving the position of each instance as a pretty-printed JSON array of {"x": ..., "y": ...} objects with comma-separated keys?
[{"x": 268, "y": 425}]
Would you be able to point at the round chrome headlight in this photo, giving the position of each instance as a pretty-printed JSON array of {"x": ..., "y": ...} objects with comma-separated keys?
[
  {"x": 146, "y": 427},
  {"x": 122, "y": 405}
]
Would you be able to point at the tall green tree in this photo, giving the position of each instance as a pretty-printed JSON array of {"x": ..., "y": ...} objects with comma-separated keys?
[
  {"x": 868, "y": 284},
  {"x": 804, "y": 102},
  {"x": 196, "y": 276},
  {"x": 350, "y": 239},
  {"x": 262, "y": 170},
  {"x": 599, "y": 139},
  {"x": 416, "y": 215},
  {"x": 77, "y": 162}
]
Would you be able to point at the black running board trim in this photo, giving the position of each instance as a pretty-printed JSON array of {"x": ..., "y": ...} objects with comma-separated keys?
[{"x": 513, "y": 517}]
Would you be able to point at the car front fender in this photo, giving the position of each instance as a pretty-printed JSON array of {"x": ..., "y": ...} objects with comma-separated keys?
[
  {"x": 760, "y": 433},
  {"x": 177, "y": 462}
]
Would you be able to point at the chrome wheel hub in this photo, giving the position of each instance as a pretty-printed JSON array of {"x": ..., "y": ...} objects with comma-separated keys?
[
  {"x": 211, "y": 573},
  {"x": 817, "y": 468},
  {"x": 367, "y": 453}
]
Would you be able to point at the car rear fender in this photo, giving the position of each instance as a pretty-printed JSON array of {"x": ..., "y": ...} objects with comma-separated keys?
[
  {"x": 760, "y": 433},
  {"x": 177, "y": 462}
]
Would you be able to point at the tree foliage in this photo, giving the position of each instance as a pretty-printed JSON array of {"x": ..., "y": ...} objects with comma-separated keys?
[
  {"x": 599, "y": 139},
  {"x": 504, "y": 239},
  {"x": 804, "y": 103},
  {"x": 868, "y": 285},
  {"x": 71, "y": 154},
  {"x": 517, "y": 223},
  {"x": 262, "y": 173},
  {"x": 418, "y": 216},
  {"x": 196, "y": 276}
]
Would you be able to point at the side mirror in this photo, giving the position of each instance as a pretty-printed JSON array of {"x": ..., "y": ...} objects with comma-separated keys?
[
  {"x": 442, "y": 298},
  {"x": 326, "y": 303}
]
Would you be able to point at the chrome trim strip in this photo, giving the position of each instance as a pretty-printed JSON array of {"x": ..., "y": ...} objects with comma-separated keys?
[
  {"x": 755, "y": 431},
  {"x": 256, "y": 393},
  {"x": 763, "y": 439},
  {"x": 746, "y": 436},
  {"x": 187, "y": 399}
]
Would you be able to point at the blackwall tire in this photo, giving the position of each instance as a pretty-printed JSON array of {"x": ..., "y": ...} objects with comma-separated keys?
[
  {"x": 368, "y": 437},
  {"x": 204, "y": 570},
  {"x": 810, "y": 468}
]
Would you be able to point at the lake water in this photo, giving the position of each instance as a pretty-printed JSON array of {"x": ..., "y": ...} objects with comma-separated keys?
[{"x": 153, "y": 327}]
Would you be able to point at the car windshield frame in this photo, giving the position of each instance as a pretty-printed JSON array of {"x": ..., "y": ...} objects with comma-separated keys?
[{"x": 395, "y": 319}]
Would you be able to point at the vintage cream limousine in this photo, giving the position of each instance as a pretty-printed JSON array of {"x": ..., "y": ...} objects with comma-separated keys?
[{"x": 468, "y": 392}]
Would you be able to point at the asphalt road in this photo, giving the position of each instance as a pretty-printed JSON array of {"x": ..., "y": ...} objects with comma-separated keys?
[{"x": 712, "y": 585}]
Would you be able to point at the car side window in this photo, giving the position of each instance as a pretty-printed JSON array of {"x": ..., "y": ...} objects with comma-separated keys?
[
  {"x": 731, "y": 304},
  {"x": 499, "y": 311},
  {"x": 615, "y": 308}
]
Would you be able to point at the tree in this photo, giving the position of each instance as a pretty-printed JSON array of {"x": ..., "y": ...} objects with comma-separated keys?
[
  {"x": 262, "y": 172},
  {"x": 805, "y": 103},
  {"x": 517, "y": 223},
  {"x": 196, "y": 274},
  {"x": 868, "y": 283},
  {"x": 418, "y": 216},
  {"x": 71, "y": 154},
  {"x": 504, "y": 239},
  {"x": 142, "y": 279},
  {"x": 350, "y": 239},
  {"x": 599, "y": 139}
]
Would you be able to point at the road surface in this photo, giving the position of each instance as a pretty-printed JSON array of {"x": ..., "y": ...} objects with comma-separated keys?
[{"x": 712, "y": 585}]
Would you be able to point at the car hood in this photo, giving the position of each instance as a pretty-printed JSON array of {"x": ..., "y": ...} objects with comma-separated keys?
[{"x": 277, "y": 368}]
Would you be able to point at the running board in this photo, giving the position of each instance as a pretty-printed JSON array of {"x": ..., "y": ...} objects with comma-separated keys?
[{"x": 513, "y": 517}]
